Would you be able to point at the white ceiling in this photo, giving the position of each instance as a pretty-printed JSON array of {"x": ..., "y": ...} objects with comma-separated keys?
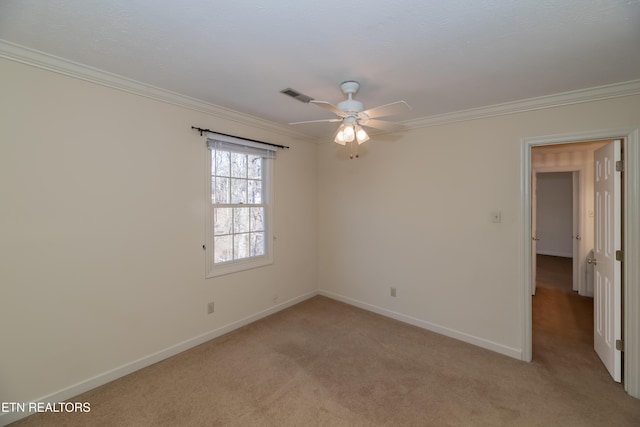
[{"x": 439, "y": 56}]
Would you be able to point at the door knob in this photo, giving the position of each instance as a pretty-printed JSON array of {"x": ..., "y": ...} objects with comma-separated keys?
[
  {"x": 578, "y": 237},
  {"x": 535, "y": 238},
  {"x": 592, "y": 261}
]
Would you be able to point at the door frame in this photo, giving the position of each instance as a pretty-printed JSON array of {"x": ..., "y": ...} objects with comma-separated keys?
[
  {"x": 580, "y": 284},
  {"x": 630, "y": 238}
]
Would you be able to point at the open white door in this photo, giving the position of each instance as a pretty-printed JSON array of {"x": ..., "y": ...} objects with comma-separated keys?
[
  {"x": 607, "y": 273},
  {"x": 534, "y": 239}
]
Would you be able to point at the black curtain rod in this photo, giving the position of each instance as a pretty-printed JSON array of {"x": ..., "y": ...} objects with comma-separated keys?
[{"x": 233, "y": 136}]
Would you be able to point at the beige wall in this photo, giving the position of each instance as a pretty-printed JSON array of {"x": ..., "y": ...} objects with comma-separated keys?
[
  {"x": 102, "y": 227},
  {"x": 414, "y": 212}
]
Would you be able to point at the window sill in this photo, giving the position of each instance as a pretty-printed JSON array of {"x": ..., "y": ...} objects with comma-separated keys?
[{"x": 238, "y": 266}]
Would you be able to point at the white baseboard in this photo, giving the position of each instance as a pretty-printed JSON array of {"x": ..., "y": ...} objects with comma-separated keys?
[
  {"x": 113, "y": 374},
  {"x": 461, "y": 336}
]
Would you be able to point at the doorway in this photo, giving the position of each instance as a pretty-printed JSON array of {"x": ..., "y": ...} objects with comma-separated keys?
[
  {"x": 557, "y": 206},
  {"x": 569, "y": 172},
  {"x": 631, "y": 238},
  {"x": 562, "y": 306},
  {"x": 554, "y": 217}
]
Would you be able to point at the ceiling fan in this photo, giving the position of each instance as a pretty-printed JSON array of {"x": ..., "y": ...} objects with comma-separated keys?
[{"x": 353, "y": 115}]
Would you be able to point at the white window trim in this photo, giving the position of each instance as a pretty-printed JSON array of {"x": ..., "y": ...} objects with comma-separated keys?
[{"x": 220, "y": 269}]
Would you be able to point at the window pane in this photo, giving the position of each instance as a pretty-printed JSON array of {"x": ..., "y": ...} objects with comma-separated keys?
[
  {"x": 257, "y": 219},
  {"x": 255, "y": 167},
  {"x": 223, "y": 249},
  {"x": 222, "y": 221},
  {"x": 241, "y": 246},
  {"x": 238, "y": 165},
  {"x": 221, "y": 190},
  {"x": 257, "y": 244},
  {"x": 222, "y": 163},
  {"x": 241, "y": 220},
  {"x": 238, "y": 190},
  {"x": 255, "y": 192}
]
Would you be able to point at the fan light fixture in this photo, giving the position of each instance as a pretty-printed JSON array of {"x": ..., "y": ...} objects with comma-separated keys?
[
  {"x": 348, "y": 132},
  {"x": 353, "y": 116},
  {"x": 361, "y": 135}
]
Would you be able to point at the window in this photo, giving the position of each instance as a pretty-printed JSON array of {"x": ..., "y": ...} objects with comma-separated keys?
[{"x": 239, "y": 194}]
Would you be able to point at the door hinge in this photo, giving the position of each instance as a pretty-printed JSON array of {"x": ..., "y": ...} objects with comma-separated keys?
[
  {"x": 619, "y": 345},
  {"x": 619, "y": 166},
  {"x": 619, "y": 255}
]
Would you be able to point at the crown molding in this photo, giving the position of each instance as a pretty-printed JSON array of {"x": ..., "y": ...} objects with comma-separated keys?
[
  {"x": 548, "y": 101},
  {"x": 69, "y": 68},
  {"x": 73, "y": 69}
]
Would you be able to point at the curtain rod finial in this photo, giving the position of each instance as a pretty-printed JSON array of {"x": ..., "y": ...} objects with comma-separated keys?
[{"x": 199, "y": 130}]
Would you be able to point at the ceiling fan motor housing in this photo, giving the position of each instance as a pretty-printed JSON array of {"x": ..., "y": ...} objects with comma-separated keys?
[{"x": 350, "y": 105}]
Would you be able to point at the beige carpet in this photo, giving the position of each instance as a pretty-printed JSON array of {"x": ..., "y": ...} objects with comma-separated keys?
[{"x": 324, "y": 363}]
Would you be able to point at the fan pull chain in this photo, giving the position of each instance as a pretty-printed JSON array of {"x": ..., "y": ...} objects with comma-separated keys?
[{"x": 354, "y": 150}]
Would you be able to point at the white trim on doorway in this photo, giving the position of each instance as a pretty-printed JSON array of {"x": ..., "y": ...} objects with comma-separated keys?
[{"x": 631, "y": 238}]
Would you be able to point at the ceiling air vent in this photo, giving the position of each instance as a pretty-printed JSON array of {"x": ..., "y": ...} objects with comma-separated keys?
[{"x": 297, "y": 95}]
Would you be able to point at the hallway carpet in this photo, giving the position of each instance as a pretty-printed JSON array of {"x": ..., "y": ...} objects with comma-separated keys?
[{"x": 325, "y": 363}]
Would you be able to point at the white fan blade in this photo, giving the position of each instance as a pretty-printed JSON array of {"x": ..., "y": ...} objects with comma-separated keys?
[
  {"x": 386, "y": 110},
  {"x": 328, "y": 106},
  {"x": 316, "y": 121},
  {"x": 381, "y": 124}
]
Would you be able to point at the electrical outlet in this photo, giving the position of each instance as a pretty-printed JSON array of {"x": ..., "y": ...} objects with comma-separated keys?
[
  {"x": 210, "y": 308},
  {"x": 275, "y": 299},
  {"x": 393, "y": 292}
]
